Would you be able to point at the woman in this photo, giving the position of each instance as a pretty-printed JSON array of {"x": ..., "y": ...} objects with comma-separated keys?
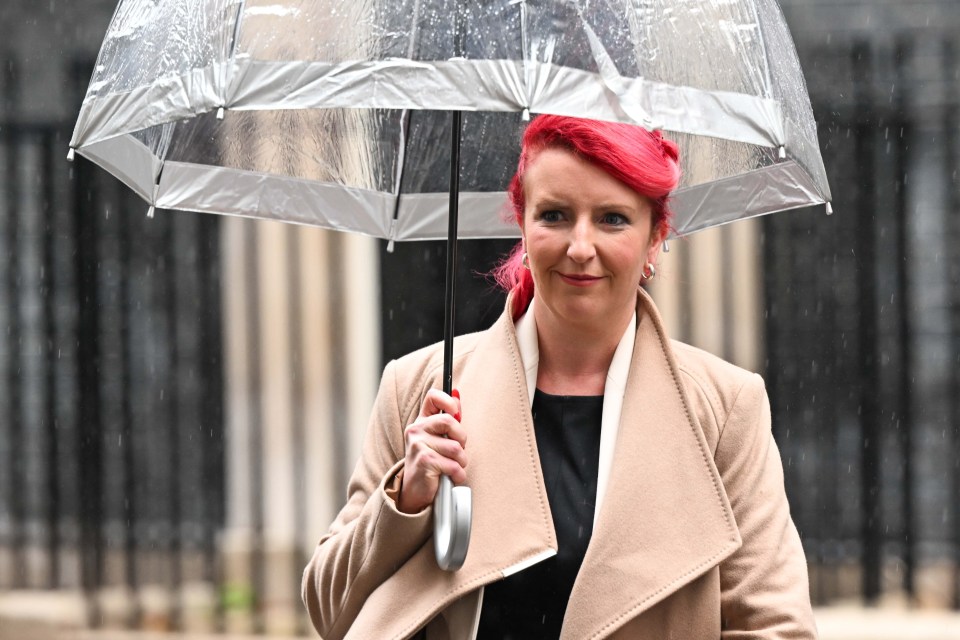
[{"x": 624, "y": 485}]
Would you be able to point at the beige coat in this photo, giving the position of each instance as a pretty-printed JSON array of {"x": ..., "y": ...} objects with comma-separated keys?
[{"x": 693, "y": 540}]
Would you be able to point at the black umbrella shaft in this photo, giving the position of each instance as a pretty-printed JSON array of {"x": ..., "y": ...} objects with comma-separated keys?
[{"x": 449, "y": 306}]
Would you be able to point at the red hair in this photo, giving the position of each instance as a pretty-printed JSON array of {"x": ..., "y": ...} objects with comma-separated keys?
[{"x": 643, "y": 160}]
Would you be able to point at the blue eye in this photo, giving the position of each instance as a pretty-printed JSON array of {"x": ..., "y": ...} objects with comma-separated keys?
[
  {"x": 551, "y": 216},
  {"x": 615, "y": 219}
]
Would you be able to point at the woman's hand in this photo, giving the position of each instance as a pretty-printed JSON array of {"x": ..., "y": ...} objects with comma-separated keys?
[{"x": 434, "y": 446}]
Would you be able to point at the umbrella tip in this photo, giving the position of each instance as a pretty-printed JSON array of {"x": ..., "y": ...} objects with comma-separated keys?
[
  {"x": 666, "y": 246},
  {"x": 525, "y": 115},
  {"x": 783, "y": 153},
  {"x": 220, "y": 113},
  {"x": 829, "y": 209},
  {"x": 70, "y": 155},
  {"x": 390, "y": 245},
  {"x": 152, "y": 210}
]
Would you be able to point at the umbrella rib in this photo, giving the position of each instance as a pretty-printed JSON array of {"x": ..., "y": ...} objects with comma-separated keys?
[
  {"x": 525, "y": 52},
  {"x": 404, "y": 135},
  {"x": 235, "y": 41},
  {"x": 231, "y": 52},
  {"x": 763, "y": 47},
  {"x": 401, "y": 165}
]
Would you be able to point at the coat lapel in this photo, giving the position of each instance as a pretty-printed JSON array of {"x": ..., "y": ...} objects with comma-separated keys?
[
  {"x": 665, "y": 519},
  {"x": 512, "y": 523}
]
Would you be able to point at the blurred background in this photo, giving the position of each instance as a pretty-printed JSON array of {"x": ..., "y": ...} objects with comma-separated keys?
[{"x": 182, "y": 397}]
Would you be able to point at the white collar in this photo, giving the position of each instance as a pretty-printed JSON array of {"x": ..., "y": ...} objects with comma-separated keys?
[{"x": 613, "y": 389}]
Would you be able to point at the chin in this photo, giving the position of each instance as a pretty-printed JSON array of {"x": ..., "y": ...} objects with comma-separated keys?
[{"x": 583, "y": 313}]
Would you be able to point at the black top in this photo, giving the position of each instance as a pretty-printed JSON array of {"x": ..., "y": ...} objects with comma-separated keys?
[{"x": 531, "y": 603}]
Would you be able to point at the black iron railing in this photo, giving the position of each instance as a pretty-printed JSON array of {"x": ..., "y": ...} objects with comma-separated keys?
[
  {"x": 862, "y": 357},
  {"x": 111, "y": 436}
]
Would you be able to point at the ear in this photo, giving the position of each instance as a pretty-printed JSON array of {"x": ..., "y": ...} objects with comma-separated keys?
[{"x": 656, "y": 242}]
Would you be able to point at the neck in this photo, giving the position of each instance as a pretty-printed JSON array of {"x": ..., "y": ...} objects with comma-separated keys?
[{"x": 574, "y": 359}]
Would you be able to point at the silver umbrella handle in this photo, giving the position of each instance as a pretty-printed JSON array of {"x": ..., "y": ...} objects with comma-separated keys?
[{"x": 452, "y": 517}]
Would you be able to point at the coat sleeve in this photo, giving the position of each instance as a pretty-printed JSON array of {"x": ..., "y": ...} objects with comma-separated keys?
[
  {"x": 370, "y": 538},
  {"x": 764, "y": 586}
]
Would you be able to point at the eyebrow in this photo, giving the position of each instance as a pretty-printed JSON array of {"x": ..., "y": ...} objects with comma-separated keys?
[
  {"x": 549, "y": 202},
  {"x": 560, "y": 203}
]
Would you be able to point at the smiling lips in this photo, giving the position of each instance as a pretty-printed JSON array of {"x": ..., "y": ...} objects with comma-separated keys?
[{"x": 579, "y": 280}]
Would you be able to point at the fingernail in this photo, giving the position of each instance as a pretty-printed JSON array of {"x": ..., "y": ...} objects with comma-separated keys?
[{"x": 456, "y": 394}]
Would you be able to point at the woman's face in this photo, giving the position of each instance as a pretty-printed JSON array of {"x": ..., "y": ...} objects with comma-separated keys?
[{"x": 588, "y": 237}]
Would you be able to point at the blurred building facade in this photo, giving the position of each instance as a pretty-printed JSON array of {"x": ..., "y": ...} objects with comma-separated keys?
[
  {"x": 863, "y": 314},
  {"x": 183, "y": 398}
]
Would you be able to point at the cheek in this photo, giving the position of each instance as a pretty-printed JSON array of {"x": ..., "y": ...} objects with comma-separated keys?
[
  {"x": 638, "y": 266},
  {"x": 630, "y": 258},
  {"x": 536, "y": 242}
]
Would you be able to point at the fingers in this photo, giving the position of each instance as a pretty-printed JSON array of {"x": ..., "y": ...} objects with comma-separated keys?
[
  {"x": 437, "y": 401},
  {"x": 434, "y": 431},
  {"x": 440, "y": 414},
  {"x": 435, "y": 445},
  {"x": 421, "y": 477},
  {"x": 429, "y": 455},
  {"x": 443, "y": 425},
  {"x": 431, "y": 458}
]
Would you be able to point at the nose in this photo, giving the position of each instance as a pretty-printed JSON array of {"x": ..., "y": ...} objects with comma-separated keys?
[{"x": 581, "y": 248}]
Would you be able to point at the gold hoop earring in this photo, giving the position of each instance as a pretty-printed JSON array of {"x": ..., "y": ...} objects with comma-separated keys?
[
  {"x": 649, "y": 271},
  {"x": 526, "y": 262}
]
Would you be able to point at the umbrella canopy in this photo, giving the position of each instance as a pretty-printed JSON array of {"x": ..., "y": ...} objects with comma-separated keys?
[
  {"x": 321, "y": 112},
  {"x": 331, "y": 113}
]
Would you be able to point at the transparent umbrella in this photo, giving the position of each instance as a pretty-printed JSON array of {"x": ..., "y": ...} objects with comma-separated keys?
[{"x": 337, "y": 113}]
